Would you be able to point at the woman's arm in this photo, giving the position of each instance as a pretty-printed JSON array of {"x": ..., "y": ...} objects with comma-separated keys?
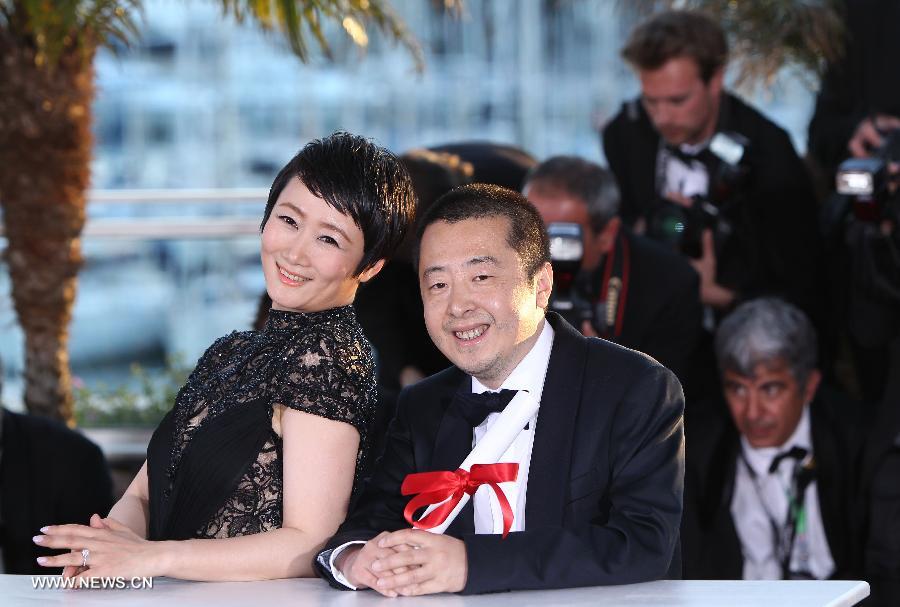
[
  {"x": 319, "y": 462},
  {"x": 132, "y": 510}
]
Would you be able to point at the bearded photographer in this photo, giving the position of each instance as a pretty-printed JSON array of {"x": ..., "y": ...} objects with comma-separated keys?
[{"x": 702, "y": 170}]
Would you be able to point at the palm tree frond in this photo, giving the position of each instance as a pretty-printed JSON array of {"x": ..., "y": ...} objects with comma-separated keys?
[
  {"x": 291, "y": 21},
  {"x": 315, "y": 26},
  {"x": 296, "y": 18},
  {"x": 70, "y": 25}
]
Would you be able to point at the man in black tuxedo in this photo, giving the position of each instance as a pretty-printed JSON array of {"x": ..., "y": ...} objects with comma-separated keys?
[
  {"x": 688, "y": 143},
  {"x": 650, "y": 294},
  {"x": 772, "y": 492},
  {"x": 597, "y": 499}
]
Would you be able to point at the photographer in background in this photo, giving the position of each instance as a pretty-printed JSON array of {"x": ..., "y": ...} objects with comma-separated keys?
[
  {"x": 857, "y": 117},
  {"x": 859, "y": 100},
  {"x": 704, "y": 171},
  {"x": 856, "y": 125},
  {"x": 625, "y": 288}
]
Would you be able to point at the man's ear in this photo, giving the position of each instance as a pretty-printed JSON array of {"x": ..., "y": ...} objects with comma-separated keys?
[
  {"x": 812, "y": 385},
  {"x": 544, "y": 285},
  {"x": 716, "y": 82},
  {"x": 606, "y": 238},
  {"x": 370, "y": 272}
]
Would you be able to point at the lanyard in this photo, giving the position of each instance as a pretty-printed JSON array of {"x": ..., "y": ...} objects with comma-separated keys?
[{"x": 795, "y": 522}]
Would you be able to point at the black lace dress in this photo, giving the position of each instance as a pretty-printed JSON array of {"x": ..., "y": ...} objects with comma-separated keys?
[{"x": 214, "y": 462}]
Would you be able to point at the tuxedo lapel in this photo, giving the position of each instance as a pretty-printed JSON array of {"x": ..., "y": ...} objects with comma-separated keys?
[
  {"x": 452, "y": 445},
  {"x": 646, "y": 152},
  {"x": 727, "y": 555},
  {"x": 830, "y": 485},
  {"x": 714, "y": 456},
  {"x": 723, "y": 467},
  {"x": 453, "y": 441},
  {"x": 551, "y": 454}
]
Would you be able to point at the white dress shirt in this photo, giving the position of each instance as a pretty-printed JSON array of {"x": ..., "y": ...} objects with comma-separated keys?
[
  {"x": 686, "y": 177},
  {"x": 528, "y": 375},
  {"x": 752, "y": 499}
]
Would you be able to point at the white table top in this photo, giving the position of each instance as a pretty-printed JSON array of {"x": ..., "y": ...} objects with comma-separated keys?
[{"x": 17, "y": 590}]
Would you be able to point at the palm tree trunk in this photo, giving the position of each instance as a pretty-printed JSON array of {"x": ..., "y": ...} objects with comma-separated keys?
[{"x": 45, "y": 152}]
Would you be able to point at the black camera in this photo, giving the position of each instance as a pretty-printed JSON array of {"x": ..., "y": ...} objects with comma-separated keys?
[
  {"x": 681, "y": 227},
  {"x": 867, "y": 180},
  {"x": 571, "y": 286}
]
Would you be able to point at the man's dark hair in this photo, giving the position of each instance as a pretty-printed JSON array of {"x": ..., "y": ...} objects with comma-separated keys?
[
  {"x": 527, "y": 235},
  {"x": 360, "y": 179},
  {"x": 584, "y": 180},
  {"x": 674, "y": 34}
]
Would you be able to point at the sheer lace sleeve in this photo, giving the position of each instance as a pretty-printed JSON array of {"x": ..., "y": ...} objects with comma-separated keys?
[
  {"x": 329, "y": 375},
  {"x": 317, "y": 362}
]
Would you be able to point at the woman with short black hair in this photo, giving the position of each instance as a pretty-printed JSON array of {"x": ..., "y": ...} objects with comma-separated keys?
[{"x": 254, "y": 466}]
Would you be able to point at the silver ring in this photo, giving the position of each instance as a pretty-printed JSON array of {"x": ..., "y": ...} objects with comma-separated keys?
[{"x": 85, "y": 555}]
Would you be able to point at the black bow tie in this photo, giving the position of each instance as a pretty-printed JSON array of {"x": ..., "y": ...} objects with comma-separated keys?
[
  {"x": 475, "y": 408},
  {"x": 703, "y": 155},
  {"x": 797, "y": 453}
]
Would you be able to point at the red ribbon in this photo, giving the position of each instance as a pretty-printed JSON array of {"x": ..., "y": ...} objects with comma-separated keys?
[{"x": 435, "y": 487}]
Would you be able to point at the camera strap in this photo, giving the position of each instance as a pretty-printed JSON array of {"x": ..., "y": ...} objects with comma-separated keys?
[{"x": 610, "y": 305}]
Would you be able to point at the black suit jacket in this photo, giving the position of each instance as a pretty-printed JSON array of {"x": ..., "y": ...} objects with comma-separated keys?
[
  {"x": 862, "y": 84},
  {"x": 49, "y": 475},
  {"x": 663, "y": 314},
  {"x": 603, "y": 502},
  {"x": 712, "y": 549},
  {"x": 880, "y": 487}
]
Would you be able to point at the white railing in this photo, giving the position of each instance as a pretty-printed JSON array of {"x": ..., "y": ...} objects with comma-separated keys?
[
  {"x": 202, "y": 195},
  {"x": 174, "y": 226}
]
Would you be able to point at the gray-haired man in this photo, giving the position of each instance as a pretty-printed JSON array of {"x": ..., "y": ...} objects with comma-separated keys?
[{"x": 770, "y": 493}]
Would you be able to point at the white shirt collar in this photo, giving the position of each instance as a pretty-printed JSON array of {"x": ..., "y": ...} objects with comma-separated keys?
[
  {"x": 693, "y": 149},
  {"x": 530, "y": 372},
  {"x": 761, "y": 458}
]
